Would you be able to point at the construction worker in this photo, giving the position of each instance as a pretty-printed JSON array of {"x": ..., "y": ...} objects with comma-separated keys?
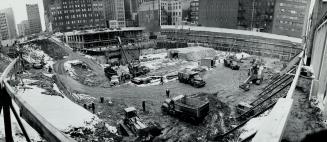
[
  {"x": 161, "y": 80},
  {"x": 167, "y": 93}
]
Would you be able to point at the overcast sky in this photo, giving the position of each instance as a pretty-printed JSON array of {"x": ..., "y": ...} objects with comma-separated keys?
[{"x": 19, "y": 8}]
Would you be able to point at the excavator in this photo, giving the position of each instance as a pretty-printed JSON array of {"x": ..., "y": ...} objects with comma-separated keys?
[
  {"x": 135, "y": 69},
  {"x": 255, "y": 76}
]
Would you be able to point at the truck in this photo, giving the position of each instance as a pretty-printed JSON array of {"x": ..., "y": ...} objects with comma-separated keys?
[
  {"x": 191, "y": 77},
  {"x": 188, "y": 109},
  {"x": 133, "y": 126},
  {"x": 231, "y": 62}
]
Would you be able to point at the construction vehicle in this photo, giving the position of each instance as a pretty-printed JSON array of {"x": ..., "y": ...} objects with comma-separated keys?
[
  {"x": 255, "y": 76},
  {"x": 132, "y": 125},
  {"x": 191, "y": 77},
  {"x": 188, "y": 109},
  {"x": 135, "y": 69},
  {"x": 109, "y": 72},
  {"x": 39, "y": 65},
  {"x": 231, "y": 62}
]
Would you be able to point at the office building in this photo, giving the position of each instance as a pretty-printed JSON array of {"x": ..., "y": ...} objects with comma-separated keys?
[
  {"x": 289, "y": 17},
  {"x": 7, "y": 24},
  {"x": 131, "y": 7},
  {"x": 218, "y": 13},
  {"x": 115, "y": 10},
  {"x": 194, "y": 12},
  {"x": 33, "y": 16},
  {"x": 256, "y": 15},
  {"x": 23, "y": 28},
  {"x": 69, "y": 15}
]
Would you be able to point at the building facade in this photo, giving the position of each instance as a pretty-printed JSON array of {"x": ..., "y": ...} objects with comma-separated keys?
[
  {"x": 194, "y": 14},
  {"x": 69, "y": 15},
  {"x": 7, "y": 24},
  {"x": 115, "y": 10},
  {"x": 256, "y": 15},
  {"x": 131, "y": 7},
  {"x": 23, "y": 28},
  {"x": 149, "y": 15},
  {"x": 168, "y": 12},
  {"x": 218, "y": 13},
  {"x": 289, "y": 17},
  {"x": 33, "y": 16}
]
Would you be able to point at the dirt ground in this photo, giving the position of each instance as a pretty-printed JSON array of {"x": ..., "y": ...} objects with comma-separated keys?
[
  {"x": 303, "y": 120},
  {"x": 221, "y": 89}
]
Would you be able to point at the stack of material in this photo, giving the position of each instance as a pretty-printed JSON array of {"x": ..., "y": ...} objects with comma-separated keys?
[{"x": 192, "y": 53}]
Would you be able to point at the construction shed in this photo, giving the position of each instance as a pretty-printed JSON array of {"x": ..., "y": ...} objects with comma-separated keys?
[{"x": 192, "y": 53}]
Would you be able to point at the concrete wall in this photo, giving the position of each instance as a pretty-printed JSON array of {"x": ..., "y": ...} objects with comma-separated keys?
[
  {"x": 319, "y": 65},
  {"x": 255, "y": 45}
]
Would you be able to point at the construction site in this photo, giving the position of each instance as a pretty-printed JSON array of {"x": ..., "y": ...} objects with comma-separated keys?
[{"x": 189, "y": 84}]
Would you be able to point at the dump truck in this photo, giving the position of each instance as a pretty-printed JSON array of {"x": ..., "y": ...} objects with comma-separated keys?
[
  {"x": 231, "y": 62},
  {"x": 133, "y": 126},
  {"x": 189, "y": 109},
  {"x": 255, "y": 74},
  {"x": 191, "y": 77}
]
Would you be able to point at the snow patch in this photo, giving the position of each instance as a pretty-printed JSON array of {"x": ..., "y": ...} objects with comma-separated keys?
[
  {"x": 60, "y": 112},
  {"x": 69, "y": 69}
]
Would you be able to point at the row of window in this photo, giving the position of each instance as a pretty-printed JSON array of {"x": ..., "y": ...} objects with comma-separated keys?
[
  {"x": 291, "y": 23},
  {"x": 76, "y": 22},
  {"x": 292, "y": 5}
]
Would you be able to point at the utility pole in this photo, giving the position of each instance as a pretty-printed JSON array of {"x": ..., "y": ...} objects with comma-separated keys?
[{"x": 252, "y": 15}]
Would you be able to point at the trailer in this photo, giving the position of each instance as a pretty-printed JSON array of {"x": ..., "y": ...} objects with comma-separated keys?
[{"x": 189, "y": 109}]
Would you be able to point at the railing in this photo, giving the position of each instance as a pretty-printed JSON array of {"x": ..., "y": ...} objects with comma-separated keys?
[{"x": 33, "y": 118}]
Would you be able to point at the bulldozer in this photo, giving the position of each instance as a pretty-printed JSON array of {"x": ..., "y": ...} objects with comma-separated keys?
[
  {"x": 255, "y": 74},
  {"x": 133, "y": 126}
]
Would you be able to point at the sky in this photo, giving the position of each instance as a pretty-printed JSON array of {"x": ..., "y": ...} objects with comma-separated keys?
[{"x": 19, "y": 8}]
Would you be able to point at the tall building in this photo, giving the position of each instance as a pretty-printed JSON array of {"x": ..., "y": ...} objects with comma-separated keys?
[
  {"x": 194, "y": 14},
  {"x": 33, "y": 16},
  {"x": 289, "y": 17},
  {"x": 115, "y": 10},
  {"x": 168, "y": 12},
  {"x": 218, "y": 13},
  {"x": 23, "y": 28},
  {"x": 256, "y": 15},
  {"x": 149, "y": 15},
  {"x": 131, "y": 7},
  {"x": 7, "y": 24},
  {"x": 69, "y": 15}
]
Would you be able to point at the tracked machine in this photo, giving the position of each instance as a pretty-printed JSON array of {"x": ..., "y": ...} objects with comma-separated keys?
[
  {"x": 255, "y": 76},
  {"x": 133, "y": 126},
  {"x": 135, "y": 69}
]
